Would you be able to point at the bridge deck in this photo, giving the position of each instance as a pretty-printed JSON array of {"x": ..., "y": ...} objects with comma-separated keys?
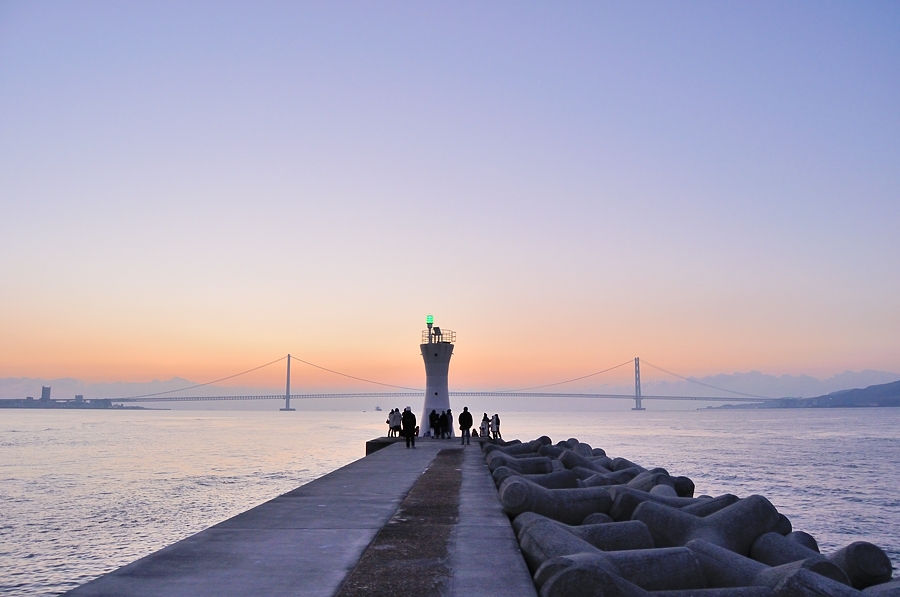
[
  {"x": 493, "y": 394},
  {"x": 307, "y": 541}
]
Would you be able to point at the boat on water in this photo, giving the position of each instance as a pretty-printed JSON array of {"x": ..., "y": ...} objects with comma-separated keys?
[{"x": 378, "y": 408}]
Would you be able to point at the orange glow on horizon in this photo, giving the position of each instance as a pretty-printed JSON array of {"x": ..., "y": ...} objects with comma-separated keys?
[{"x": 489, "y": 365}]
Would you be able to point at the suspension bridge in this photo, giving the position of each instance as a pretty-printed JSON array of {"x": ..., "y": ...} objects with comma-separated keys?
[{"x": 313, "y": 381}]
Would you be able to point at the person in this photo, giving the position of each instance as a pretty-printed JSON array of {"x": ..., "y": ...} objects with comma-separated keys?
[
  {"x": 465, "y": 423},
  {"x": 485, "y": 425},
  {"x": 396, "y": 422},
  {"x": 390, "y": 423},
  {"x": 449, "y": 428},
  {"x": 442, "y": 424},
  {"x": 433, "y": 424},
  {"x": 495, "y": 426},
  {"x": 408, "y": 422}
]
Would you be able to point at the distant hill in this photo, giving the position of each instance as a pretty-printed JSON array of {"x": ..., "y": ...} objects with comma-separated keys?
[
  {"x": 774, "y": 386},
  {"x": 886, "y": 394}
]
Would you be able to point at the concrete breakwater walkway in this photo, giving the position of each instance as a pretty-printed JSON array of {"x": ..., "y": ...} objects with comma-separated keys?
[{"x": 399, "y": 521}]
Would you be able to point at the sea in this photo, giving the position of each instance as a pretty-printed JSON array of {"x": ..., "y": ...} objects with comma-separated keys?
[{"x": 85, "y": 492}]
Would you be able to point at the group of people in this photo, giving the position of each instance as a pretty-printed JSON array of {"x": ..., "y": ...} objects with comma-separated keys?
[
  {"x": 440, "y": 426},
  {"x": 394, "y": 422},
  {"x": 403, "y": 425},
  {"x": 491, "y": 426}
]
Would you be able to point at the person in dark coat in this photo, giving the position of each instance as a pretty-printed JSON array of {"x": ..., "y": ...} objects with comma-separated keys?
[
  {"x": 465, "y": 424},
  {"x": 408, "y": 421},
  {"x": 443, "y": 424},
  {"x": 433, "y": 424}
]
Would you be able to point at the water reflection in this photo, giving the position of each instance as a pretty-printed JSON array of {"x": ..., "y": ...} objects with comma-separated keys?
[{"x": 87, "y": 491}]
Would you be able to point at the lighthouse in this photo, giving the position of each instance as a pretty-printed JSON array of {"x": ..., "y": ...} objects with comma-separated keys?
[{"x": 437, "y": 348}]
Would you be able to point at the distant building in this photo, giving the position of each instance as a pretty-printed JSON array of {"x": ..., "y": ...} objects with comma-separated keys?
[{"x": 45, "y": 393}]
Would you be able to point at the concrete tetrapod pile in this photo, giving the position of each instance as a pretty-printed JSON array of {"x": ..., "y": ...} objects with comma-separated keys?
[{"x": 593, "y": 526}]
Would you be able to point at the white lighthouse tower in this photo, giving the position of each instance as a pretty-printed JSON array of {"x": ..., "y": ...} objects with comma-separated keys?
[{"x": 437, "y": 348}]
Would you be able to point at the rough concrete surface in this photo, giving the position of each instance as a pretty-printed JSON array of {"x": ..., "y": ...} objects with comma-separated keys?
[
  {"x": 485, "y": 554},
  {"x": 409, "y": 555},
  {"x": 307, "y": 541},
  {"x": 301, "y": 543}
]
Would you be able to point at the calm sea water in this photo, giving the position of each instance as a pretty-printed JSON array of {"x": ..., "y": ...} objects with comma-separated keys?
[{"x": 83, "y": 493}]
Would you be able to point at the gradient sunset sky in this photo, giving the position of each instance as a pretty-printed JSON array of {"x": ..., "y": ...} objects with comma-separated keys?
[{"x": 195, "y": 188}]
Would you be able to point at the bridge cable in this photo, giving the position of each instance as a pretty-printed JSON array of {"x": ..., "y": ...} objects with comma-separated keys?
[
  {"x": 200, "y": 385},
  {"x": 570, "y": 380},
  {"x": 705, "y": 384},
  {"x": 377, "y": 383}
]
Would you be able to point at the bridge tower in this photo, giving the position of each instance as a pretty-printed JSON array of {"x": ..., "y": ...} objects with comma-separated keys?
[
  {"x": 287, "y": 387},
  {"x": 437, "y": 348},
  {"x": 637, "y": 384}
]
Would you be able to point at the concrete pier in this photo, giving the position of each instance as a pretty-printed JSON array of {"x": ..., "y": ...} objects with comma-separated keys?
[{"x": 309, "y": 541}]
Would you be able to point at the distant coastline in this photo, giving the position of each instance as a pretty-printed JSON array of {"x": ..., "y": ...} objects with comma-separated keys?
[
  {"x": 881, "y": 395},
  {"x": 97, "y": 404}
]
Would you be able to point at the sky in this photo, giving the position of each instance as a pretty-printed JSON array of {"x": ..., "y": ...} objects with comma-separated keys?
[{"x": 196, "y": 188}]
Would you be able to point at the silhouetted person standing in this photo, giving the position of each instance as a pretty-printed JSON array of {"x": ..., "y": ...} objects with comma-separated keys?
[
  {"x": 408, "y": 420},
  {"x": 485, "y": 426},
  {"x": 443, "y": 424},
  {"x": 449, "y": 427},
  {"x": 465, "y": 424},
  {"x": 434, "y": 423},
  {"x": 495, "y": 426}
]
